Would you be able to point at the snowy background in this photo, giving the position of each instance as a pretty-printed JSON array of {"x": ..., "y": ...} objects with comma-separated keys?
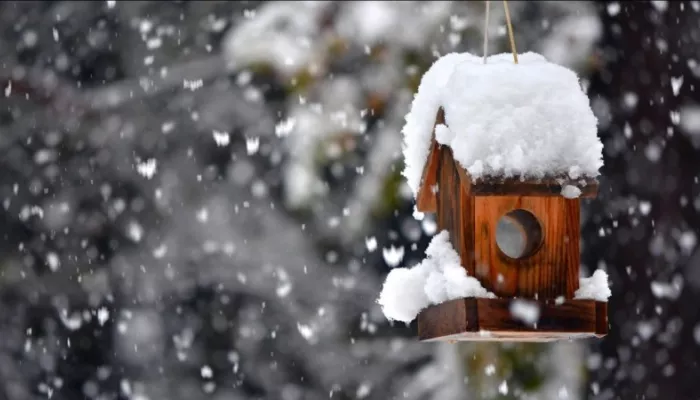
[{"x": 201, "y": 200}]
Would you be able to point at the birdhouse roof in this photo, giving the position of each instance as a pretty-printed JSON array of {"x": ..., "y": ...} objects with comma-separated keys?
[{"x": 503, "y": 120}]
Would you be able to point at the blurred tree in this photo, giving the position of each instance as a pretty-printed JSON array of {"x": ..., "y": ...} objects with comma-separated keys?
[
  {"x": 196, "y": 196},
  {"x": 644, "y": 225}
]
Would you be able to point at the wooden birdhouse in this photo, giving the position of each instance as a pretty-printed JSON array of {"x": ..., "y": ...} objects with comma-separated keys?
[{"x": 510, "y": 201}]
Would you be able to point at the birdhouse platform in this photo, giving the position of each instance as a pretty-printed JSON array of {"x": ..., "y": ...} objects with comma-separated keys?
[
  {"x": 502, "y": 154},
  {"x": 475, "y": 319}
]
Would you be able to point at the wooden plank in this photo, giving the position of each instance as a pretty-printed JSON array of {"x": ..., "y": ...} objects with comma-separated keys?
[
  {"x": 571, "y": 316},
  {"x": 550, "y": 186},
  {"x": 467, "y": 238},
  {"x": 446, "y": 193},
  {"x": 552, "y": 271},
  {"x": 467, "y": 222},
  {"x": 426, "y": 199},
  {"x": 474, "y": 319},
  {"x": 510, "y": 337},
  {"x": 455, "y": 210},
  {"x": 496, "y": 275},
  {"x": 452, "y": 318}
]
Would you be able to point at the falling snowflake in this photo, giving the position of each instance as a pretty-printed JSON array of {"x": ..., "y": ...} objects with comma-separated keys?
[
  {"x": 371, "y": 243},
  {"x": 206, "y": 372},
  {"x": 393, "y": 255},
  {"x": 306, "y": 332},
  {"x": 252, "y": 145},
  {"x": 102, "y": 315},
  {"x": 221, "y": 138},
  {"x": 147, "y": 168}
]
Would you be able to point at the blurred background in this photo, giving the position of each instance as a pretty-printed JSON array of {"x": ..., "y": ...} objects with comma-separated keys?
[{"x": 200, "y": 200}]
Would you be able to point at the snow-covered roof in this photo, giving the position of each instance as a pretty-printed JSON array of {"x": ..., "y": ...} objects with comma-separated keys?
[{"x": 530, "y": 120}]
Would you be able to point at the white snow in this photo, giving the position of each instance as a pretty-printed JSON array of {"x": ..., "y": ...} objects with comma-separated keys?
[
  {"x": 594, "y": 288},
  {"x": 570, "y": 192},
  {"x": 371, "y": 243},
  {"x": 368, "y": 21},
  {"x": 398, "y": 24},
  {"x": 393, "y": 255},
  {"x": 53, "y": 261},
  {"x": 438, "y": 278},
  {"x": 102, "y": 315},
  {"x": 443, "y": 134},
  {"x": 530, "y": 119},
  {"x": 147, "y": 168},
  {"x": 668, "y": 290},
  {"x": 134, "y": 231},
  {"x": 206, "y": 372},
  {"x": 252, "y": 144},
  {"x": 282, "y": 34},
  {"x": 613, "y": 9},
  {"x": 503, "y": 388},
  {"x": 525, "y": 311},
  {"x": 690, "y": 119},
  {"x": 221, "y": 138},
  {"x": 306, "y": 331},
  {"x": 676, "y": 84}
]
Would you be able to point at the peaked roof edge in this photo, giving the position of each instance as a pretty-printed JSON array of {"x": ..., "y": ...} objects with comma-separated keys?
[{"x": 426, "y": 199}]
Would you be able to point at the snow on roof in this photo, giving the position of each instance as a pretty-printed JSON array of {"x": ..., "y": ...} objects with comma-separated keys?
[
  {"x": 438, "y": 278},
  {"x": 503, "y": 119}
]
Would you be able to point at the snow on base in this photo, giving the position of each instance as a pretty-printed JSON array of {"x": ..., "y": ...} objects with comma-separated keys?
[
  {"x": 438, "y": 278},
  {"x": 594, "y": 288},
  {"x": 530, "y": 119}
]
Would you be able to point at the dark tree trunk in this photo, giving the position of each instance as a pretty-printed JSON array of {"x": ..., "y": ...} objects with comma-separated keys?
[{"x": 651, "y": 351}]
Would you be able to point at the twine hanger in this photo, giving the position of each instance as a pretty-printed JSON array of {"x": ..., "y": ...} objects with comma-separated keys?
[{"x": 511, "y": 37}]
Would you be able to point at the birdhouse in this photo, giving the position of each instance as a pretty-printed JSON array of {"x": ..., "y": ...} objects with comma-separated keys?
[{"x": 502, "y": 154}]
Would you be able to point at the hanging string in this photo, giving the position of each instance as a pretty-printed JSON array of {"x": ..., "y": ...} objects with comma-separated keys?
[
  {"x": 510, "y": 32},
  {"x": 486, "y": 31}
]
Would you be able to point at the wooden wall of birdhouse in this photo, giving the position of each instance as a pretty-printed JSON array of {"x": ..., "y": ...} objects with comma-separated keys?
[
  {"x": 470, "y": 211},
  {"x": 503, "y": 153},
  {"x": 548, "y": 265},
  {"x": 546, "y": 270}
]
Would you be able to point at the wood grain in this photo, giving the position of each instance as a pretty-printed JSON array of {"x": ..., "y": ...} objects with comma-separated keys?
[
  {"x": 426, "y": 199},
  {"x": 453, "y": 318},
  {"x": 552, "y": 271},
  {"x": 550, "y": 186},
  {"x": 491, "y": 319},
  {"x": 455, "y": 210}
]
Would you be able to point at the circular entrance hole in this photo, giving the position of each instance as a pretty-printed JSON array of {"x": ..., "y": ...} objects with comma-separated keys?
[{"x": 518, "y": 234}]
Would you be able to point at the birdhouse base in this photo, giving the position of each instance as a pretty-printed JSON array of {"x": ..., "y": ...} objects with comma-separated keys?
[{"x": 480, "y": 319}]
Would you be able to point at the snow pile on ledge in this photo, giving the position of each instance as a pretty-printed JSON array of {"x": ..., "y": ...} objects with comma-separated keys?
[
  {"x": 438, "y": 278},
  {"x": 594, "y": 288},
  {"x": 570, "y": 192},
  {"x": 503, "y": 119}
]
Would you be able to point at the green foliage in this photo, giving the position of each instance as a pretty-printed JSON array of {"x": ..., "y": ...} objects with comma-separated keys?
[
  {"x": 488, "y": 364},
  {"x": 301, "y": 82}
]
